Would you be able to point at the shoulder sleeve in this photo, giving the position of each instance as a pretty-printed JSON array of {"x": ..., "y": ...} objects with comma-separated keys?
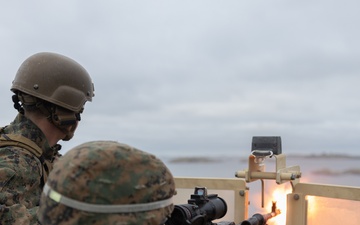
[
  {"x": 18, "y": 214},
  {"x": 20, "y": 186}
]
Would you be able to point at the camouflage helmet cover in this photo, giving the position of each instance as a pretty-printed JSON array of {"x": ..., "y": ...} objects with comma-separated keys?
[
  {"x": 107, "y": 173},
  {"x": 56, "y": 79}
]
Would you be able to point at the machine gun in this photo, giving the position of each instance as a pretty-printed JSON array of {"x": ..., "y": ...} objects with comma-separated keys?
[
  {"x": 261, "y": 219},
  {"x": 201, "y": 209}
]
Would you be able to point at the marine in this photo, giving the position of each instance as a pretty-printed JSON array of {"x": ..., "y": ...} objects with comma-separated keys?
[
  {"x": 50, "y": 91},
  {"x": 107, "y": 183}
]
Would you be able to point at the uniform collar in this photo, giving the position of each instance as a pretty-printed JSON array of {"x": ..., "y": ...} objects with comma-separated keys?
[{"x": 25, "y": 127}]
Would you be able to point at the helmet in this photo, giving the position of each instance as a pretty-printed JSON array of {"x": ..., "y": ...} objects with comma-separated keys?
[
  {"x": 56, "y": 79},
  {"x": 104, "y": 183}
]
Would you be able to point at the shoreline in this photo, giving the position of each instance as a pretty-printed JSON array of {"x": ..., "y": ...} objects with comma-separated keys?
[{"x": 214, "y": 159}]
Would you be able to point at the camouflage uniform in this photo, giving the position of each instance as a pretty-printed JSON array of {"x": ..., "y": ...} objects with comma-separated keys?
[
  {"x": 21, "y": 174},
  {"x": 52, "y": 89},
  {"x": 107, "y": 183}
]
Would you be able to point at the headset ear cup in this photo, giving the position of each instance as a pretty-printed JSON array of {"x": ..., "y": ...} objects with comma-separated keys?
[
  {"x": 65, "y": 120},
  {"x": 64, "y": 117}
]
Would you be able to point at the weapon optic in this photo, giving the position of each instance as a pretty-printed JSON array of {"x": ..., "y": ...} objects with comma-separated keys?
[{"x": 201, "y": 209}]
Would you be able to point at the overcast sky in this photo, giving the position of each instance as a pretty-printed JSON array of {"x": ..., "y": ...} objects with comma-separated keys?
[{"x": 200, "y": 77}]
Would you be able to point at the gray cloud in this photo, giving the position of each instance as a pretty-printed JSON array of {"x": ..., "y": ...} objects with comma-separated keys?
[{"x": 195, "y": 77}]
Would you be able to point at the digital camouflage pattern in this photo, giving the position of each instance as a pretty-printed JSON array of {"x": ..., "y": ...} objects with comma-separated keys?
[
  {"x": 21, "y": 174},
  {"x": 107, "y": 172}
]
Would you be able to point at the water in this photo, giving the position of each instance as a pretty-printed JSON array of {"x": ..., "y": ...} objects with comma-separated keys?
[{"x": 330, "y": 169}]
